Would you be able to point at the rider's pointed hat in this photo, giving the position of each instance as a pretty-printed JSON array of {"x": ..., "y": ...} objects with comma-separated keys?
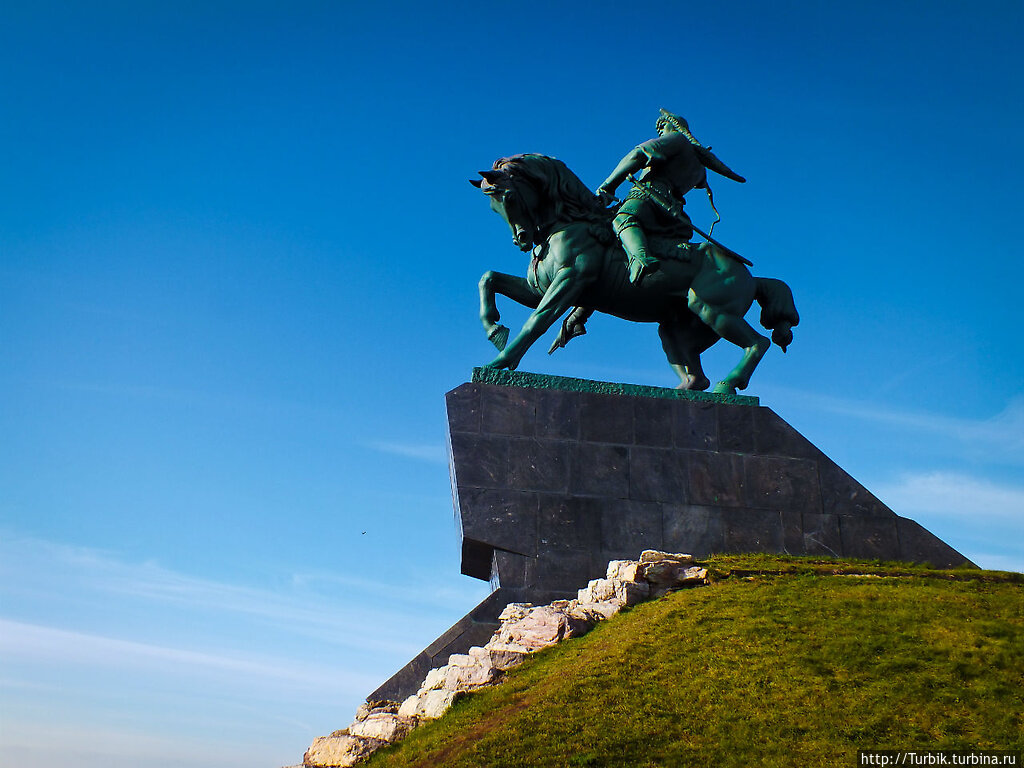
[{"x": 707, "y": 157}]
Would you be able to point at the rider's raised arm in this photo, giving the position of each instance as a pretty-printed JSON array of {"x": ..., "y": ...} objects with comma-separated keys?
[{"x": 631, "y": 163}]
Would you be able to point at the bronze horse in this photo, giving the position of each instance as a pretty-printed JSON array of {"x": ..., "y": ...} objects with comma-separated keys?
[{"x": 700, "y": 294}]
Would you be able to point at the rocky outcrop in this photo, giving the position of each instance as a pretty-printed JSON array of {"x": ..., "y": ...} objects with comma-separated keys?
[
  {"x": 524, "y": 629},
  {"x": 340, "y": 749}
]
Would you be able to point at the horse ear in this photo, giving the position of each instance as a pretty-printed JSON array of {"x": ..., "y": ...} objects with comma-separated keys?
[
  {"x": 476, "y": 182},
  {"x": 493, "y": 177}
]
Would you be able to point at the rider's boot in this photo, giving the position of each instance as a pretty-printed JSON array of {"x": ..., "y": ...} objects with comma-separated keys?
[{"x": 641, "y": 263}]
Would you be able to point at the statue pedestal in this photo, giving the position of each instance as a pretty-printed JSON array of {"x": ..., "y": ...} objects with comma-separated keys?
[{"x": 554, "y": 477}]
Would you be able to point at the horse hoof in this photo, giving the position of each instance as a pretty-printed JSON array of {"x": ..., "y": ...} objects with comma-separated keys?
[
  {"x": 694, "y": 384},
  {"x": 499, "y": 337},
  {"x": 503, "y": 362},
  {"x": 724, "y": 388}
]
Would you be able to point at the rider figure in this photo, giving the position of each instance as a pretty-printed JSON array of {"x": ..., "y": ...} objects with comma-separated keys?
[{"x": 674, "y": 163}]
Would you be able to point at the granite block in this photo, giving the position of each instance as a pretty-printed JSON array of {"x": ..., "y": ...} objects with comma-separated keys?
[
  {"x": 693, "y": 529},
  {"x": 774, "y": 437},
  {"x": 567, "y": 573},
  {"x": 506, "y": 410},
  {"x": 657, "y": 474},
  {"x": 736, "y": 429},
  {"x": 606, "y": 419},
  {"x": 557, "y": 415},
  {"x": 652, "y": 421},
  {"x": 476, "y": 558},
  {"x": 695, "y": 425},
  {"x": 716, "y": 479},
  {"x": 599, "y": 469},
  {"x": 509, "y": 569},
  {"x": 792, "y": 532},
  {"x": 821, "y": 535},
  {"x": 568, "y": 523},
  {"x": 463, "y": 406},
  {"x": 505, "y": 519},
  {"x": 842, "y": 495},
  {"x": 921, "y": 546},
  {"x": 630, "y": 526},
  {"x": 753, "y": 530},
  {"x": 776, "y": 482},
  {"x": 871, "y": 537},
  {"x": 479, "y": 461},
  {"x": 538, "y": 465}
]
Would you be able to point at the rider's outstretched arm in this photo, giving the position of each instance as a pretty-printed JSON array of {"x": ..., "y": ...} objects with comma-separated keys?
[{"x": 631, "y": 163}]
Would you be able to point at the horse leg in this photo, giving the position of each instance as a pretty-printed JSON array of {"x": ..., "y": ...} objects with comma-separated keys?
[
  {"x": 684, "y": 340},
  {"x": 515, "y": 288},
  {"x": 732, "y": 327}
]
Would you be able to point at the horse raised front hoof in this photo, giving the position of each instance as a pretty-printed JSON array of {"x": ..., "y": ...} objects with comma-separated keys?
[{"x": 499, "y": 337}]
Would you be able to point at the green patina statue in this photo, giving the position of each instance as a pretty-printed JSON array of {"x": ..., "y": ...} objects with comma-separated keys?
[
  {"x": 696, "y": 292},
  {"x": 672, "y": 165}
]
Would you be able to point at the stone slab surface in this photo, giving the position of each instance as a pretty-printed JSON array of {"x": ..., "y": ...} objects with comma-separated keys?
[{"x": 554, "y": 477}]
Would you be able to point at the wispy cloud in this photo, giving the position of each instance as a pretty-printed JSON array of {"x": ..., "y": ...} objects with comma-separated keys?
[
  {"x": 20, "y": 640},
  {"x": 955, "y": 495},
  {"x": 188, "y": 652},
  {"x": 1001, "y": 437},
  {"x": 969, "y": 508},
  {"x": 430, "y": 452},
  {"x": 42, "y": 570}
]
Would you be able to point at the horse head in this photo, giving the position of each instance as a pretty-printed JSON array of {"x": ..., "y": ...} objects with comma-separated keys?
[{"x": 515, "y": 200}]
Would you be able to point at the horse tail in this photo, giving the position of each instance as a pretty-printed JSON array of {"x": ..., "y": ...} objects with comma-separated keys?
[{"x": 778, "y": 310}]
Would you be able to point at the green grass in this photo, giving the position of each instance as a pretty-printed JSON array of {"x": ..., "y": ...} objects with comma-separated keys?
[{"x": 780, "y": 662}]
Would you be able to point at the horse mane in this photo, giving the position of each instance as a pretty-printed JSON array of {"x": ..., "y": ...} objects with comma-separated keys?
[{"x": 569, "y": 198}]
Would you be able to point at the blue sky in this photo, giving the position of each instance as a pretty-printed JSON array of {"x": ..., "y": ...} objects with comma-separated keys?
[{"x": 238, "y": 266}]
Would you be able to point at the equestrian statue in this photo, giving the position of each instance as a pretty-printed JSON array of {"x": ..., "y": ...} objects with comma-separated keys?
[{"x": 633, "y": 260}]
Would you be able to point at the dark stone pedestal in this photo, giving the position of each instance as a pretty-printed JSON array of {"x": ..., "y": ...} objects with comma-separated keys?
[
  {"x": 551, "y": 482},
  {"x": 552, "y": 478}
]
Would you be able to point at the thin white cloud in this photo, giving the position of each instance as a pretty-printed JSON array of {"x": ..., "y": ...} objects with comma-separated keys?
[
  {"x": 430, "y": 452},
  {"x": 1001, "y": 437},
  {"x": 955, "y": 495},
  {"x": 24, "y": 641},
  {"x": 416, "y": 589},
  {"x": 40, "y": 570},
  {"x": 969, "y": 508}
]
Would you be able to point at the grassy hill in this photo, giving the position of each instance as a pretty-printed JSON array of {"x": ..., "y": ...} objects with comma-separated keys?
[{"x": 779, "y": 662}]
